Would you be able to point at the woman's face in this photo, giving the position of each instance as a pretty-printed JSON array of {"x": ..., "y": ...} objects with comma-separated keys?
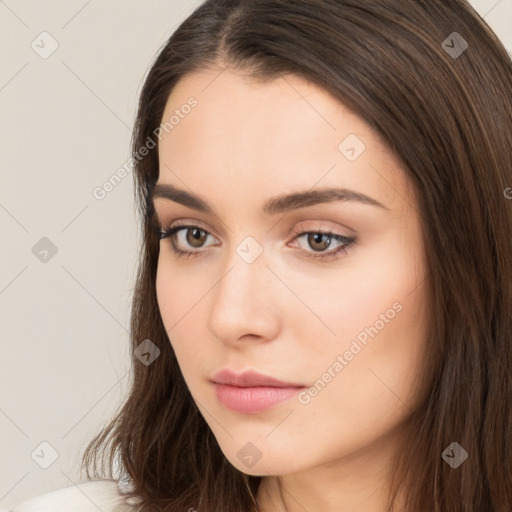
[{"x": 259, "y": 294}]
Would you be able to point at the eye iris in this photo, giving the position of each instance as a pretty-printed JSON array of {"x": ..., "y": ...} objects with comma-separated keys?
[
  {"x": 198, "y": 235},
  {"x": 318, "y": 238}
]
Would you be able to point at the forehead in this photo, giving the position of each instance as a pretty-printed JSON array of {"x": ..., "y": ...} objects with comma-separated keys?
[
  {"x": 277, "y": 135},
  {"x": 288, "y": 107}
]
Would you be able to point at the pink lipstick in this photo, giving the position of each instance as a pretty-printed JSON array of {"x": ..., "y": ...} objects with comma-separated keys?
[{"x": 251, "y": 392}]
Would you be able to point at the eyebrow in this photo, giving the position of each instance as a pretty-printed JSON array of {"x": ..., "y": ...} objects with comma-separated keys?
[{"x": 272, "y": 206}]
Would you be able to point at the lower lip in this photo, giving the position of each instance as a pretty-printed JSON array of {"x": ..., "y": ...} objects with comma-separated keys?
[{"x": 252, "y": 400}]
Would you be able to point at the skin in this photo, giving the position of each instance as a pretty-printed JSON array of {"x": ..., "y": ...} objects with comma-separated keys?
[{"x": 286, "y": 315}]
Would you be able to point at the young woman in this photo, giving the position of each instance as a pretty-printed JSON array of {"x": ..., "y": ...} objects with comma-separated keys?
[{"x": 322, "y": 315}]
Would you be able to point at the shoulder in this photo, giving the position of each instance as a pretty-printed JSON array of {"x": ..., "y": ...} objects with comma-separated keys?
[{"x": 90, "y": 496}]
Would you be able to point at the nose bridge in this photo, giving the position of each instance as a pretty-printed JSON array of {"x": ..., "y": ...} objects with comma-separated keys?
[
  {"x": 245, "y": 271},
  {"x": 243, "y": 296}
]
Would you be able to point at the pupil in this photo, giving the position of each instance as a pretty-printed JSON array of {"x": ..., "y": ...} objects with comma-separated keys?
[
  {"x": 198, "y": 235},
  {"x": 317, "y": 239}
]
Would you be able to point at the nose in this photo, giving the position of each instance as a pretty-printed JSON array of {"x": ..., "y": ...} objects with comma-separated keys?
[{"x": 245, "y": 302}]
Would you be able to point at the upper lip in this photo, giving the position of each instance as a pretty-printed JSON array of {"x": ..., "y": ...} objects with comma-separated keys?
[{"x": 249, "y": 378}]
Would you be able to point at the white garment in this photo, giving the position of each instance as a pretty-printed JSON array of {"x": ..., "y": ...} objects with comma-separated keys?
[{"x": 90, "y": 496}]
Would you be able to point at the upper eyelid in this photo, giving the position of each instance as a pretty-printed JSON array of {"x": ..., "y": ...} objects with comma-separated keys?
[
  {"x": 298, "y": 231},
  {"x": 191, "y": 225},
  {"x": 185, "y": 224},
  {"x": 300, "y": 226}
]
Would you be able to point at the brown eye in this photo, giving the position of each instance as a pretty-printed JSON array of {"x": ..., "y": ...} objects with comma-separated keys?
[
  {"x": 319, "y": 241},
  {"x": 196, "y": 237},
  {"x": 316, "y": 242},
  {"x": 186, "y": 240}
]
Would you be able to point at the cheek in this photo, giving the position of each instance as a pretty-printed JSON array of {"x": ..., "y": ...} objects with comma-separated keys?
[
  {"x": 370, "y": 391},
  {"x": 376, "y": 307},
  {"x": 366, "y": 289},
  {"x": 177, "y": 301},
  {"x": 166, "y": 296},
  {"x": 178, "y": 291}
]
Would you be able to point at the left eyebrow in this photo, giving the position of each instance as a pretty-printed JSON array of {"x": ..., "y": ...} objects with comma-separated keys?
[{"x": 272, "y": 206}]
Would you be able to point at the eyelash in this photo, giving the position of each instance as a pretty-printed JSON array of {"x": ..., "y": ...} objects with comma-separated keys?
[{"x": 348, "y": 242}]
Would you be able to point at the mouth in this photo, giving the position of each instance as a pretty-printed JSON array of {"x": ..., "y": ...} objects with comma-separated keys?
[
  {"x": 251, "y": 392},
  {"x": 250, "y": 378}
]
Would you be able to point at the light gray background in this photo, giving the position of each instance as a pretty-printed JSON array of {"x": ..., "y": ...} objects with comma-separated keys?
[{"x": 65, "y": 128}]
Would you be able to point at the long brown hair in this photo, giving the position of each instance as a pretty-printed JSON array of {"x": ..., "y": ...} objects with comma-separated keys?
[{"x": 435, "y": 82}]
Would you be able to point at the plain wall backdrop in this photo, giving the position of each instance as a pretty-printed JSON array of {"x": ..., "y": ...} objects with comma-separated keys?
[{"x": 70, "y": 76}]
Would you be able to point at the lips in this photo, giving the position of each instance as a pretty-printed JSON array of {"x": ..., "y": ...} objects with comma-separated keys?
[
  {"x": 249, "y": 379},
  {"x": 251, "y": 392}
]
